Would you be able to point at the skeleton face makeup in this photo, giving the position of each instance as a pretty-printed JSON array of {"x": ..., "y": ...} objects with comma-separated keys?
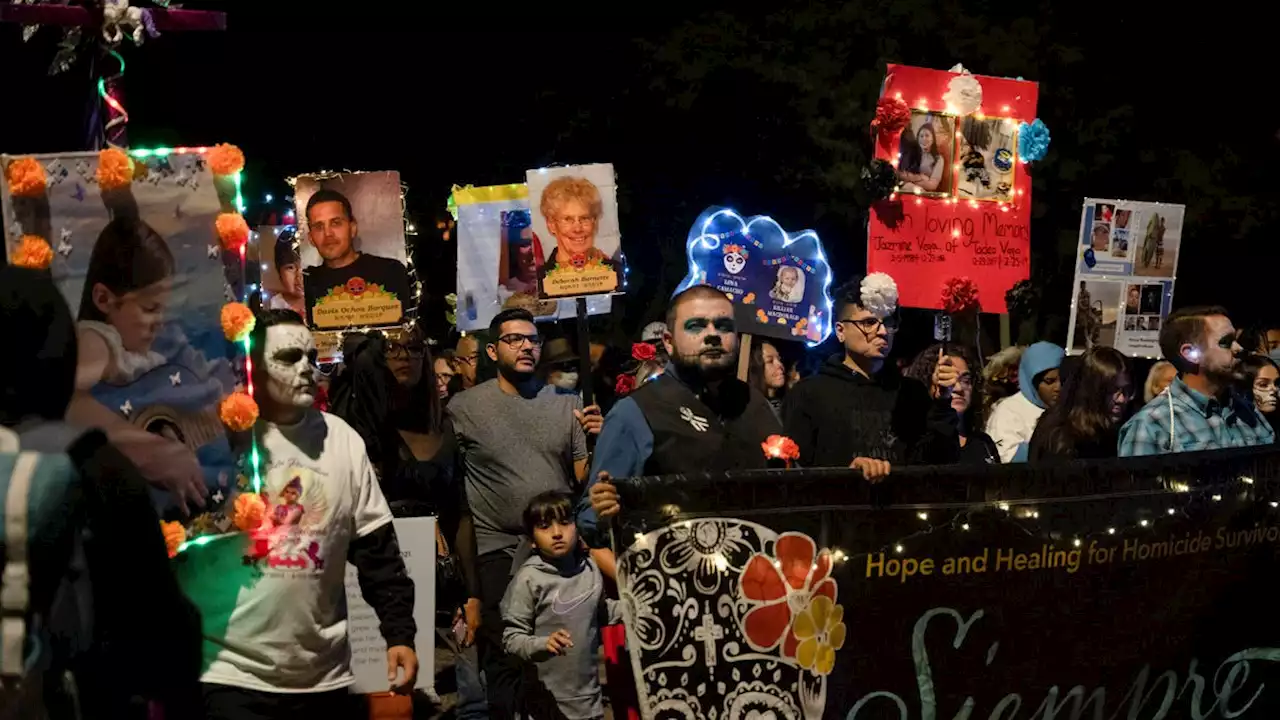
[
  {"x": 734, "y": 262},
  {"x": 289, "y": 353}
]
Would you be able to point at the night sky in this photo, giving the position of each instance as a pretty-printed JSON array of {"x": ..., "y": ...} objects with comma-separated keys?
[{"x": 764, "y": 110}]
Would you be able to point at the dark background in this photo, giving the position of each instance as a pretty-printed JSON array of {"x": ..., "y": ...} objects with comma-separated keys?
[{"x": 761, "y": 108}]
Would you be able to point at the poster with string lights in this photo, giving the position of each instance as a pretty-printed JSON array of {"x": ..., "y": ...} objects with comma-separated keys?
[
  {"x": 1124, "y": 276},
  {"x": 148, "y": 248},
  {"x": 949, "y": 184},
  {"x": 354, "y": 262},
  {"x": 1132, "y": 588}
]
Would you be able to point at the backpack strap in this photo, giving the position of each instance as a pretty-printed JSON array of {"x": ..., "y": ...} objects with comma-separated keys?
[{"x": 15, "y": 594}]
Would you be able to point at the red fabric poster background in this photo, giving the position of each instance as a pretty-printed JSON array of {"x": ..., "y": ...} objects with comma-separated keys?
[{"x": 925, "y": 241}]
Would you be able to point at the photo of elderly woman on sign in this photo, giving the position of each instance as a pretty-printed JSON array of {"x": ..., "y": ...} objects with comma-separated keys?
[{"x": 578, "y": 208}]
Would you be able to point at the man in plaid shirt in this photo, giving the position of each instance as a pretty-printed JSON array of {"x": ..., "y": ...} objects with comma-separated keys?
[{"x": 1200, "y": 410}]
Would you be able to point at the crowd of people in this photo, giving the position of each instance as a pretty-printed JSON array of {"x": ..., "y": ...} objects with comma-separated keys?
[{"x": 493, "y": 438}]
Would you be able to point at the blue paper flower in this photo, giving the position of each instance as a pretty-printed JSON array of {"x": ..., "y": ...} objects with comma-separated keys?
[
  {"x": 1033, "y": 140},
  {"x": 1089, "y": 259}
]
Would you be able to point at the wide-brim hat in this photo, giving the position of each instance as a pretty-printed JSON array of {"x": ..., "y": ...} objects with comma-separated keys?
[{"x": 558, "y": 351}]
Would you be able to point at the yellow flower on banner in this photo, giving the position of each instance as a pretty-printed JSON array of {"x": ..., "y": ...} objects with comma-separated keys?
[{"x": 820, "y": 629}]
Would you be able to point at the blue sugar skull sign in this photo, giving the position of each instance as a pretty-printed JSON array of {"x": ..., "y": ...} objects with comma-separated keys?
[{"x": 778, "y": 282}]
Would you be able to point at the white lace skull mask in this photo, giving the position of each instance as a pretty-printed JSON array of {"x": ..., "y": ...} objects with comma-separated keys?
[
  {"x": 289, "y": 356},
  {"x": 734, "y": 262}
]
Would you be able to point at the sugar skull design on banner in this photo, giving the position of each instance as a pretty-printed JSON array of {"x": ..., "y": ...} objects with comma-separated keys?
[
  {"x": 778, "y": 282},
  {"x": 727, "y": 619}
]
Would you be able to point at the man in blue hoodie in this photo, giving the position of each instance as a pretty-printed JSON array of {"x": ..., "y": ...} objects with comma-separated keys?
[{"x": 1013, "y": 419}]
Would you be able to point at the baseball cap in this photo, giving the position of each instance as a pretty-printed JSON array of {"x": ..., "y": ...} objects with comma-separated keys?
[{"x": 653, "y": 332}]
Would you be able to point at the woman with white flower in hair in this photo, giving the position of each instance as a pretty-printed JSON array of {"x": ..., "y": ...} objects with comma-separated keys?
[{"x": 858, "y": 410}]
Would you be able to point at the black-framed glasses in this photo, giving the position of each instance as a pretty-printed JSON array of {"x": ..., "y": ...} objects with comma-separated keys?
[
  {"x": 515, "y": 341},
  {"x": 400, "y": 352},
  {"x": 871, "y": 326}
]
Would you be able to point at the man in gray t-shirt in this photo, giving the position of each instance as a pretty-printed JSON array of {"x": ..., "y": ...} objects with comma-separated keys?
[{"x": 518, "y": 439}]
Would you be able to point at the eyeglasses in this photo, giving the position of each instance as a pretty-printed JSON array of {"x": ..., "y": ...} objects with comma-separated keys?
[
  {"x": 398, "y": 351},
  {"x": 467, "y": 359},
  {"x": 870, "y": 326},
  {"x": 515, "y": 340}
]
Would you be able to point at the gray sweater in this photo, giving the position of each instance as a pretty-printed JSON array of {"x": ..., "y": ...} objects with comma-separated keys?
[{"x": 542, "y": 599}]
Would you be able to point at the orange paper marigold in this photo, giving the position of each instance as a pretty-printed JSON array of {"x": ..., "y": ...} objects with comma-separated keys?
[
  {"x": 225, "y": 159},
  {"x": 174, "y": 536},
  {"x": 26, "y": 177},
  {"x": 250, "y": 511},
  {"x": 237, "y": 321},
  {"x": 34, "y": 252},
  {"x": 115, "y": 169},
  {"x": 233, "y": 231},
  {"x": 238, "y": 411}
]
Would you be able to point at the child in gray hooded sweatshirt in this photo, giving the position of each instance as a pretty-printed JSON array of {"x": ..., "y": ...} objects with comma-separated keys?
[{"x": 552, "y": 614}]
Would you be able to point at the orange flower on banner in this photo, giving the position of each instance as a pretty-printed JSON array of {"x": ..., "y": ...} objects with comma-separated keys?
[
  {"x": 233, "y": 231},
  {"x": 34, "y": 253},
  {"x": 781, "y": 447},
  {"x": 793, "y": 578},
  {"x": 115, "y": 169},
  {"x": 250, "y": 511},
  {"x": 225, "y": 159},
  {"x": 26, "y": 177},
  {"x": 237, "y": 321},
  {"x": 238, "y": 411},
  {"x": 174, "y": 536}
]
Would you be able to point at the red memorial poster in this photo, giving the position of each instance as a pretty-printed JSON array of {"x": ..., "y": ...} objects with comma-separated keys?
[{"x": 963, "y": 203}]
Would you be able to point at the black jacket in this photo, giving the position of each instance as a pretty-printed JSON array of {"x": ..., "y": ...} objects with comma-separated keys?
[{"x": 838, "y": 415}]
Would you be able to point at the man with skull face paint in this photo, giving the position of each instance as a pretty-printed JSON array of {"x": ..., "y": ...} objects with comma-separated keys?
[
  {"x": 696, "y": 416},
  {"x": 282, "y": 644}
]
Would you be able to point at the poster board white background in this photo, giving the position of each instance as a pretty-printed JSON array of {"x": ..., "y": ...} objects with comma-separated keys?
[
  {"x": 1128, "y": 292},
  {"x": 480, "y": 297},
  {"x": 417, "y": 537}
]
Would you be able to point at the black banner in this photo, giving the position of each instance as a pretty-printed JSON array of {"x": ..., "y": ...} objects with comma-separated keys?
[{"x": 1139, "y": 589}]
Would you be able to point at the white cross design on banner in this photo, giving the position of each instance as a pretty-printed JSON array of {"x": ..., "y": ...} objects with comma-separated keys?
[
  {"x": 699, "y": 423},
  {"x": 708, "y": 633}
]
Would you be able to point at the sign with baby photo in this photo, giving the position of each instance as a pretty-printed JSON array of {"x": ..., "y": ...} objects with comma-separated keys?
[
  {"x": 133, "y": 247},
  {"x": 1125, "y": 271},
  {"x": 778, "y": 282}
]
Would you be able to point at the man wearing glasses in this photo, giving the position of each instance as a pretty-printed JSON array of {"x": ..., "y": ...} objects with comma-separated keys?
[
  {"x": 858, "y": 411},
  {"x": 519, "y": 438},
  {"x": 467, "y": 353}
]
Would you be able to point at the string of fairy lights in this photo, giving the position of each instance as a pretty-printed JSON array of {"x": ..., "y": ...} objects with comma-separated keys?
[{"x": 961, "y": 517}]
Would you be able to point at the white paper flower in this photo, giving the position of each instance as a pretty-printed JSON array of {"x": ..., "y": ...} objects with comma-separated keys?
[
  {"x": 879, "y": 294},
  {"x": 964, "y": 93}
]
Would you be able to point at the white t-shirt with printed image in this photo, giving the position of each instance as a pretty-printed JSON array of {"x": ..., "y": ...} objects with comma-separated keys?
[{"x": 280, "y": 624}]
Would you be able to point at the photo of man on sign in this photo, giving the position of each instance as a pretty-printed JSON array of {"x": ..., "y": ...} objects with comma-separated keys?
[{"x": 359, "y": 277}]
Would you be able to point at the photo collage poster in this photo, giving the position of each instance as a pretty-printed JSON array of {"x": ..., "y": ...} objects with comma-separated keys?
[
  {"x": 499, "y": 260},
  {"x": 962, "y": 206},
  {"x": 352, "y": 250},
  {"x": 1124, "y": 277},
  {"x": 145, "y": 276}
]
